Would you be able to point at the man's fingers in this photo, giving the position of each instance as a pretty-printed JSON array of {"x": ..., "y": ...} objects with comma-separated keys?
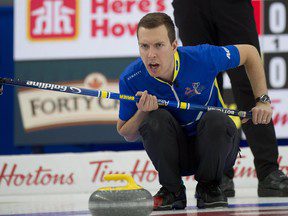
[
  {"x": 259, "y": 116},
  {"x": 139, "y": 93},
  {"x": 254, "y": 115},
  {"x": 244, "y": 120},
  {"x": 147, "y": 102},
  {"x": 141, "y": 102},
  {"x": 143, "y": 98},
  {"x": 151, "y": 103},
  {"x": 265, "y": 118},
  {"x": 155, "y": 102},
  {"x": 269, "y": 118}
]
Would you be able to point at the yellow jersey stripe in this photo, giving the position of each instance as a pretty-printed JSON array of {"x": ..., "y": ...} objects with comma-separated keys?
[
  {"x": 176, "y": 68},
  {"x": 219, "y": 94},
  {"x": 176, "y": 65}
]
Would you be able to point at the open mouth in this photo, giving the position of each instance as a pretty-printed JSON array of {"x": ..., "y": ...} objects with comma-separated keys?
[{"x": 154, "y": 67}]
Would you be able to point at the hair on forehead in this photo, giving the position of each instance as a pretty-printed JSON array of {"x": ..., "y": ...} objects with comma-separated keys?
[{"x": 156, "y": 19}]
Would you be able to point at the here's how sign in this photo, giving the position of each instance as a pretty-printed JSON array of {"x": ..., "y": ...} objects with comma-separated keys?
[{"x": 60, "y": 29}]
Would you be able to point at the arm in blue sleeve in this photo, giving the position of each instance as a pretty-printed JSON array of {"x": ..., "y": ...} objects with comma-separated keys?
[{"x": 224, "y": 57}]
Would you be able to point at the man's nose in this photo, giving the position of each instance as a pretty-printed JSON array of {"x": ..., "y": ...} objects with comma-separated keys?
[{"x": 151, "y": 53}]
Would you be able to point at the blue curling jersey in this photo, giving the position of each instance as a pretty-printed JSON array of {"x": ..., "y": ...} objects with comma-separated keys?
[{"x": 195, "y": 71}]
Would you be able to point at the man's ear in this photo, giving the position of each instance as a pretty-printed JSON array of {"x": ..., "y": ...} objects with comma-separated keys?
[{"x": 174, "y": 45}]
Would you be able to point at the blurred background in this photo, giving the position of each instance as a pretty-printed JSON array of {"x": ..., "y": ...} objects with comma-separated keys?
[{"x": 88, "y": 43}]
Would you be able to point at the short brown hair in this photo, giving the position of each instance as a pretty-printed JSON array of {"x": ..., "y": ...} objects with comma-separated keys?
[{"x": 156, "y": 19}]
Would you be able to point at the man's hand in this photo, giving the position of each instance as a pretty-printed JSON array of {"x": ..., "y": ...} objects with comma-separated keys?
[
  {"x": 261, "y": 114},
  {"x": 147, "y": 102}
]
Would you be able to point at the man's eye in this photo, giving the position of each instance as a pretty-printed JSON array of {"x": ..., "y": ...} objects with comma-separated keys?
[
  {"x": 159, "y": 45},
  {"x": 144, "y": 46}
]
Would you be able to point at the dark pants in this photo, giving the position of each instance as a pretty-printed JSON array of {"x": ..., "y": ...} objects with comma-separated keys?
[
  {"x": 226, "y": 22},
  {"x": 174, "y": 154}
]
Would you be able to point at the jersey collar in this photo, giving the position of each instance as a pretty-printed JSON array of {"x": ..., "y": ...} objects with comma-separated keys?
[{"x": 176, "y": 68}]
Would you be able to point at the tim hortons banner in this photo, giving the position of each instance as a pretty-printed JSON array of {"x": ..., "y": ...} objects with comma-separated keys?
[
  {"x": 83, "y": 172},
  {"x": 280, "y": 112},
  {"x": 57, "y": 29}
]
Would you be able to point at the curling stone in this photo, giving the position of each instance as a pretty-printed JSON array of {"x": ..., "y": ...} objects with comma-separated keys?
[{"x": 129, "y": 200}]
